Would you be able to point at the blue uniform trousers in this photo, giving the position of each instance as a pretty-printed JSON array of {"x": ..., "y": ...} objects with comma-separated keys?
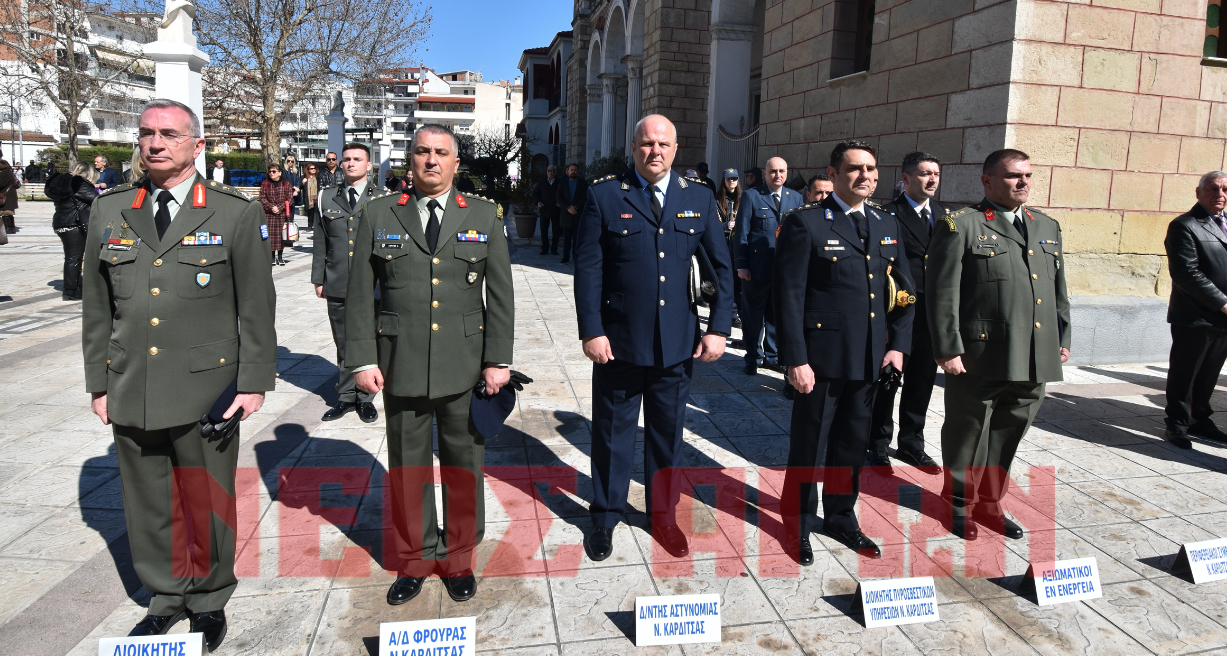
[
  {"x": 617, "y": 389},
  {"x": 758, "y": 322}
]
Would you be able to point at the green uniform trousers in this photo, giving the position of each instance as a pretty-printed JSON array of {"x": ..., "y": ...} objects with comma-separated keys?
[
  {"x": 182, "y": 548},
  {"x": 986, "y": 418},
  {"x": 461, "y": 453}
]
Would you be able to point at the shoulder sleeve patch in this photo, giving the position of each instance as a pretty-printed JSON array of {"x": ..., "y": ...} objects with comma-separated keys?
[{"x": 949, "y": 221}]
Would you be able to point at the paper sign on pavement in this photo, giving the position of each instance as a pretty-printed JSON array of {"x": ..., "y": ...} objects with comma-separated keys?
[
  {"x": 677, "y": 619},
  {"x": 447, "y": 637}
]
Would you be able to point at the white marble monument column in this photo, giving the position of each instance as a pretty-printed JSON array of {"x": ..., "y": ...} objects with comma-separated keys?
[
  {"x": 634, "y": 98},
  {"x": 609, "y": 92},
  {"x": 179, "y": 61},
  {"x": 593, "y": 125}
]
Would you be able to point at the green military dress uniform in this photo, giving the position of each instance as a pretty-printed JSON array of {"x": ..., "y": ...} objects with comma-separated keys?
[
  {"x": 161, "y": 337},
  {"x": 332, "y": 248},
  {"x": 999, "y": 300},
  {"x": 432, "y": 335}
]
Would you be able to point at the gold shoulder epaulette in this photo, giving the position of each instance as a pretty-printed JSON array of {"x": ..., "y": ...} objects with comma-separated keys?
[
  {"x": 607, "y": 178},
  {"x": 126, "y": 185},
  {"x": 228, "y": 190},
  {"x": 476, "y": 197}
]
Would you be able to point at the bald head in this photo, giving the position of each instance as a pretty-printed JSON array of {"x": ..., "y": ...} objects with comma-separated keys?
[
  {"x": 655, "y": 147},
  {"x": 775, "y": 173}
]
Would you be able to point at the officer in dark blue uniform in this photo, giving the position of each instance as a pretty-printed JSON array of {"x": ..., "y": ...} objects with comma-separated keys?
[
  {"x": 836, "y": 334},
  {"x": 639, "y": 325},
  {"x": 758, "y": 221}
]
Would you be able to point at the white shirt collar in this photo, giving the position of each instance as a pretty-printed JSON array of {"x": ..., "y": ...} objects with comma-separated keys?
[
  {"x": 916, "y": 206},
  {"x": 860, "y": 207},
  {"x": 180, "y": 192},
  {"x": 359, "y": 186}
]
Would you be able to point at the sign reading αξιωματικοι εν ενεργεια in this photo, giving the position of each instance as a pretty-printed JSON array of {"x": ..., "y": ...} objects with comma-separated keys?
[
  {"x": 677, "y": 619},
  {"x": 447, "y": 637},
  {"x": 1206, "y": 561},
  {"x": 897, "y": 601},
  {"x": 175, "y": 644},
  {"x": 1062, "y": 581}
]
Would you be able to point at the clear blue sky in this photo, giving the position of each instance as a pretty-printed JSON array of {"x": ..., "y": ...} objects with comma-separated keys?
[{"x": 490, "y": 35}]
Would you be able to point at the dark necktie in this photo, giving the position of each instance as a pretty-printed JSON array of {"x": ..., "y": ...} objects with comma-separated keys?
[
  {"x": 353, "y": 198},
  {"x": 162, "y": 217},
  {"x": 927, "y": 216},
  {"x": 657, "y": 210},
  {"x": 1221, "y": 221},
  {"x": 1020, "y": 226},
  {"x": 862, "y": 230},
  {"x": 432, "y": 226},
  {"x": 776, "y": 197}
]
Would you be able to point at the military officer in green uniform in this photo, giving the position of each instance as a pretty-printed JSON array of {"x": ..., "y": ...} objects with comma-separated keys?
[
  {"x": 433, "y": 252},
  {"x": 178, "y": 304},
  {"x": 999, "y": 319},
  {"x": 332, "y": 253}
]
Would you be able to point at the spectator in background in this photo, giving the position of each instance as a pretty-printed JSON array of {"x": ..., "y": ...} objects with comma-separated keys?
[
  {"x": 309, "y": 192},
  {"x": 703, "y": 170},
  {"x": 572, "y": 194},
  {"x": 293, "y": 176},
  {"x": 34, "y": 173},
  {"x": 728, "y": 201},
  {"x": 107, "y": 176},
  {"x": 73, "y": 196},
  {"x": 330, "y": 176},
  {"x": 218, "y": 173},
  {"x": 546, "y": 195},
  {"x": 51, "y": 172},
  {"x": 391, "y": 182},
  {"x": 818, "y": 189},
  {"x": 408, "y": 178},
  {"x": 276, "y": 195},
  {"x": 136, "y": 170},
  {"x": 465, "y": 183},
  {"x": 754, "y": 178},
  {"x": 9, "y": 184}
]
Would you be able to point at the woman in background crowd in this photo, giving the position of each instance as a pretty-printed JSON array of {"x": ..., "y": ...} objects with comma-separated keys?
[
  {"x": 276, "y": 195},
  {"x": 292, "y": 175},
  {"x": 136, "y": 170},
  {"x": 309, "y": 193},
  {"x": 73, "y": 196},
  {"x": 728, "y": 200}
]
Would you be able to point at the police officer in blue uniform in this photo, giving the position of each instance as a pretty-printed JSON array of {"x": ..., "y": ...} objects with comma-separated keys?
[
  {"x": 836, "y": 334},
  {"x": 758, "y": 220},
  {"x": 639, "y": 325}
]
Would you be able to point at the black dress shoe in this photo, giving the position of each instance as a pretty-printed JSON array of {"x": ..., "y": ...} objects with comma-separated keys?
[
  {"x": 751, "y": 369},
  {"x": 460, "y": 587},
  {"x": 367, "y": 412},
  {"x": 599, "y": 543},
  {"x": 1178, "y": 438},
  {"x": 672, "y": 539},
  {"x": 804, "y": 550},
  {"x": 790, "y": 392},
  {"x": 879, "y": 459},
  {"x": 564, "y": 260},
  {"x": 774, "y": 365},
  {"x": 154, "y": 625},
  {"x": 404, "y": 589},
  {"x": 855, "y": 541},
  {"x": 916, "y": 458},
  {"x": 737, "y": 322},
  {"x": 1012, "y": 530},
  {"x": 1207, "y": 431},
  {"x": 213, "y": 625},
  {"x": 339, "y": 410},
  {"x": 964, "y": 527}
]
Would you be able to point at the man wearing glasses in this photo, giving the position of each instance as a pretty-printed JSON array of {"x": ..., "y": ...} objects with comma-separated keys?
[
  {"x": 166, "y": 329},
  {"x": 331, "y": 175}
]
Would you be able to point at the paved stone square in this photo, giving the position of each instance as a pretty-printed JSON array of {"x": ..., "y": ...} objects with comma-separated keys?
[{"x": 1121, "y": 495}]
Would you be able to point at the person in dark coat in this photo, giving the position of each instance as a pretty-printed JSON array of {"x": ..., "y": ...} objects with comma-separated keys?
[
  {"x": 73, "y": 196},
  {"x": 639, "y": 326},
  {"x": 34, "y": 173},
  {"x": 546, "y": 196},
  {"x": 1196, "y": 247},
  {"x": 572, "y": 194},
  {"x": 9, "y": 184},
  {"x": 916, "y": 209},
  {"x": 836, "y": 334},
  {"x": 108, "y": 178}
]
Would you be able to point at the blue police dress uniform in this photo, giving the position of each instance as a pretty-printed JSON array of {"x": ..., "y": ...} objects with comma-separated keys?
[
  {"x": 754, "y": 249},
  {"x": 631, "y": 275},
  {"x": 830, "y": 295}
]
